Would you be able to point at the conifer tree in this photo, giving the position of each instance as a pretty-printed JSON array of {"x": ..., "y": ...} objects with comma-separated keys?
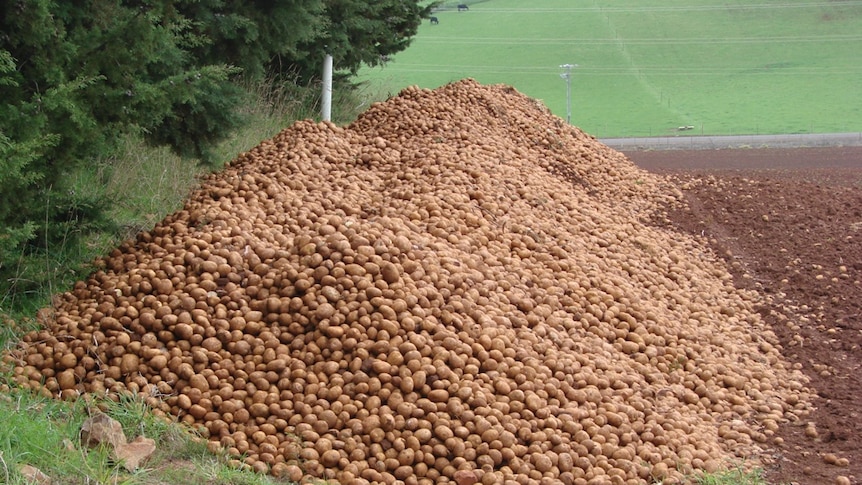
[
  {"x": 260, "y": 37},
  {"x": 74, "y": 77}
]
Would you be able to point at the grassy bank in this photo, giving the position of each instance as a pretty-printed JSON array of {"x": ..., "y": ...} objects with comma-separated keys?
[{"x": 44, "y": 433}]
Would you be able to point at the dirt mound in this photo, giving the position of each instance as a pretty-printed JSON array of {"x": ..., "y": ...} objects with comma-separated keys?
[{"x": 456, "y": 286}]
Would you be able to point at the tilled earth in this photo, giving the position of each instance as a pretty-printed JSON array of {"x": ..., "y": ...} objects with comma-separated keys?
[{"x": 789, "y": 223}]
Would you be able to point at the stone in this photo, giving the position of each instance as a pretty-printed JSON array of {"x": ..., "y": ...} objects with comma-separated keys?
[
  {"x": 133, "y": 454},
  {"x": 33, "y": 475},
  {"x": 102, "y": 429}
]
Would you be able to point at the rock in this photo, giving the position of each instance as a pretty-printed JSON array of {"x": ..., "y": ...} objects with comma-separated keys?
[
  {"x": 101, "y": 429},
  {"x": 133, "y": 454},
  {"x": 33, "y": 475}
]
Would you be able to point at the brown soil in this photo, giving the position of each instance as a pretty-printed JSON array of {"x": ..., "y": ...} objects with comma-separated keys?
[{"x": 789, "y": 224}]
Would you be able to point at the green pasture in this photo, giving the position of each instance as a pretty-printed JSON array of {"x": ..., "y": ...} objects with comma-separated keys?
[{"x": 648, "y": 68}]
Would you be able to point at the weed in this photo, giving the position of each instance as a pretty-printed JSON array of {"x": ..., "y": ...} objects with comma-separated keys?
[{"x": 734, "y": 476}]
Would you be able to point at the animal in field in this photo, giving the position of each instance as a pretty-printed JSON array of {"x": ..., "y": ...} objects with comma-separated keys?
[
  {"x": 463, "y": 6},
  {"x": 434, "y": 20}
]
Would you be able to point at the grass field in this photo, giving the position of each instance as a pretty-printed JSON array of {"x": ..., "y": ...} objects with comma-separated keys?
[{"x": 646, "y": 69}]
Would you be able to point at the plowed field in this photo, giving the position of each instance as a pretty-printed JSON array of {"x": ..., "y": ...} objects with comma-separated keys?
[{"x": 789, "y": 222}]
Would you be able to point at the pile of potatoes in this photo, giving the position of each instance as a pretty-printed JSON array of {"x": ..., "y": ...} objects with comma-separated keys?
[{"x": 456, "y": 287}]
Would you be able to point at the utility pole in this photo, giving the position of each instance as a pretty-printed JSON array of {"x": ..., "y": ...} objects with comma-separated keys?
[{"x": 567, "y": 75}]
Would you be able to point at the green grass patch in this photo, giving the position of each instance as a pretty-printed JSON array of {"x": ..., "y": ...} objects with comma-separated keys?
[
  {"x": 34, "y": 433},
  {"x": 648, "y": 69},
  {"x": 45, "y": 433},
  {"x": 735, "y": 476}
]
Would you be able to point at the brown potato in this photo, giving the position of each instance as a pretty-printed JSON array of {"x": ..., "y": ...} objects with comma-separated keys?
[{"x": 455, "y": 282}]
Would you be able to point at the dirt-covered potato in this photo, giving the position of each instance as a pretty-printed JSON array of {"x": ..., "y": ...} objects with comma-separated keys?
[{"x": 457, "y": 287}]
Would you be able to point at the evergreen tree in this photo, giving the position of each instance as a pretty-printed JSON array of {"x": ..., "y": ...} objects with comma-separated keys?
[
  {"x": 289, "y": 38},
  {"x": 149, "y": 79},
  {"x": 19, "y": 157},
  {"x": 74, "y": 77},
  {"x": 255, "y": 35}
]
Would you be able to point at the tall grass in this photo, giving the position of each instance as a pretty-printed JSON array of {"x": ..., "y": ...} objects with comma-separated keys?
[{"x": 148, "y": 183}]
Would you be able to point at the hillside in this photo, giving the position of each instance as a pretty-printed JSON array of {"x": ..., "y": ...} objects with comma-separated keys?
[{"x": 720, "y": 68}]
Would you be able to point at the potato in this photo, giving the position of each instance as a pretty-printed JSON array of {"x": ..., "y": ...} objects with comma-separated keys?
[
  {"x": 129, "y": 364},
  {"x": 455, "y": 285}
]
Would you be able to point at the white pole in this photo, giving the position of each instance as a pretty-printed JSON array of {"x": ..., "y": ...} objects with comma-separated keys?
[
  {"x": 326, "y": 102},
  {"x": 568, "y": 98}
]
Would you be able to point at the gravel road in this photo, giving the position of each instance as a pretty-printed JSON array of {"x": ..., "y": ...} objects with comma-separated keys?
[{"x": 686, "y": 142}]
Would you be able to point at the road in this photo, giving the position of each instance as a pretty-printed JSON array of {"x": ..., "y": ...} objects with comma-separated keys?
[{"x": 696, "y": 142}]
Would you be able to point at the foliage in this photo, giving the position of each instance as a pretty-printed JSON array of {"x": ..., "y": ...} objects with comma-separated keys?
[
  {"x": 148, "y": 79},
  {"x": 73, "y": 80},
  {"x": 260, "y": 37},
  {"x": 289, "y": 38},
  {"x": 16, "y": 160},
  {"x": 26, "y": 173}
]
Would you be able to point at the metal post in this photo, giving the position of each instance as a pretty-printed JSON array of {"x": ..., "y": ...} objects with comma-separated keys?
[
  {"x": 567, "y": 75},
  {"x": 326, "y": 101}
]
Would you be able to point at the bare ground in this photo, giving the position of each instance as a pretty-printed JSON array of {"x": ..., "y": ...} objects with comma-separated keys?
[{"x": 789, "y": 223}]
